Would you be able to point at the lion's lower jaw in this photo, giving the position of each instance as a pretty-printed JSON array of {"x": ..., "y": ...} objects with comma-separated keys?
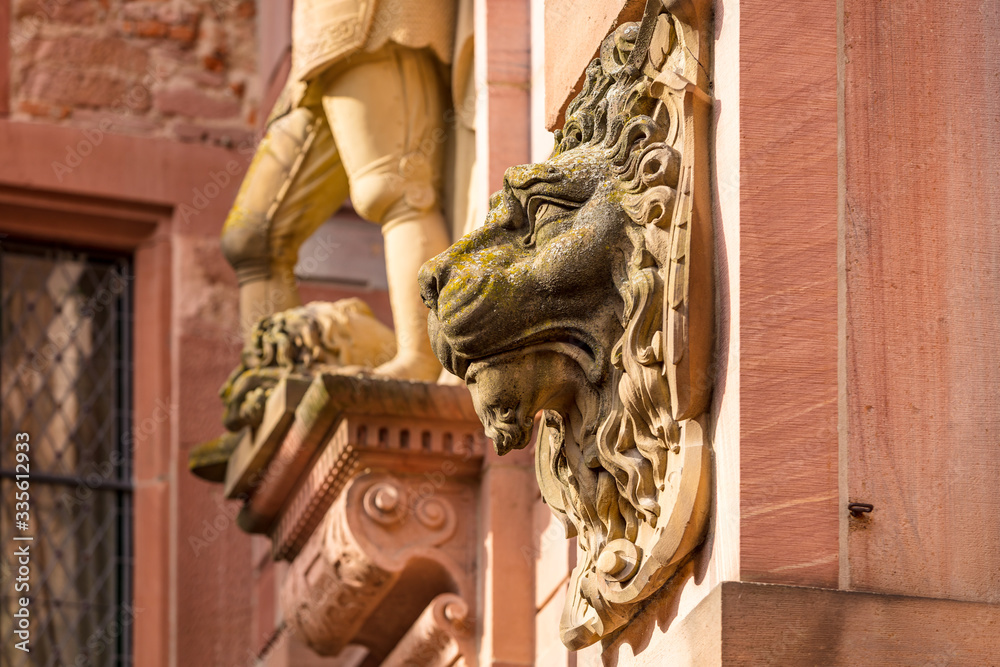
[
  {"x": 506, "y": 435},
  {"x": 633, "y": 492},
  {"x": 510, "y": 389}
]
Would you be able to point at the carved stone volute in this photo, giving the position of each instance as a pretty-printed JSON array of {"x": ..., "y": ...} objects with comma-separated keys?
[
  {"x": 587, "y": 296},
  {"x": 378, "y": 547}
]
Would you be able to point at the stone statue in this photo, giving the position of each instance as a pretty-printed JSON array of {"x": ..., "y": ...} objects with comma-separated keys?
[
  {"x": 363, "y": 114},
  {"x": 588, "y": 295}
]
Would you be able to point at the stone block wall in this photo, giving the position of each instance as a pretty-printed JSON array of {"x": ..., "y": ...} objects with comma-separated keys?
[{"x": 180, "y": 70}]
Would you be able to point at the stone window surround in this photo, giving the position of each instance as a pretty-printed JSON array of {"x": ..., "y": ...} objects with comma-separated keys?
[{"x": 118, "y": 226}]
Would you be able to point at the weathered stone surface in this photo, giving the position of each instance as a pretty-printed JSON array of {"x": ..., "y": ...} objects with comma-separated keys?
[
  {"x": 738, "y": 622},
  {"x": 382, "y": 554},
  {"x": 93, "y": 52},
  {"x": 369, "y": 488},
  {"x": 922, "y": 254}
]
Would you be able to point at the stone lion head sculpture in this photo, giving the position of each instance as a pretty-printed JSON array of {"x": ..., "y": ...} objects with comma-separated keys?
[{"x": 586, "y": 297}]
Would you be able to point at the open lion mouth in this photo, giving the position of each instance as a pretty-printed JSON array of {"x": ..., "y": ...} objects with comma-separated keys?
[
  {"x": 574, "y": 348},
  {"x": 574, "y": 344},
  {"x": 516, "y": 379},
  {"x": 509, "y": 388}
]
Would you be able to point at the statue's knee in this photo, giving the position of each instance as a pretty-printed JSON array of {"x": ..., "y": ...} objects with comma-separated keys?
[
  {"x": 245, "y": 245},
  {"x": 374, "y": 193},
  {"x": 248, "y": 237},
  {"x": 379, "y": 195}
]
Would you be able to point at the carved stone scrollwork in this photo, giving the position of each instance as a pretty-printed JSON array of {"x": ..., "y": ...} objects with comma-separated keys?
[
  {"x": 588, "y": 295},
  {"x": 383, "y": 545},
  {"x": 441, "y": 637},
  {"x": 368, "y": 487}
]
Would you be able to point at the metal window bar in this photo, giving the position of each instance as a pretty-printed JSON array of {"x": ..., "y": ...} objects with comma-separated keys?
[{"x": 65, "y": 380}]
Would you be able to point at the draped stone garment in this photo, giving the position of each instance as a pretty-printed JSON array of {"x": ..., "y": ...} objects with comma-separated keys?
[{"x": 327, "y": 31}]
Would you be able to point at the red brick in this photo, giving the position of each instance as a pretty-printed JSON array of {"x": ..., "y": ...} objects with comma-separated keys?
[
  {"x": 41, "y": 110},
  {"x": 88, "y": 52},
  {"x": 82, "y": 88},
  {"x": 194, "y": 103},
  {"x": 145, "y": 28},
  {"x": 79, "y": 12},
  {"x": 214, "y": 62},
  {"x": 183, "y": 33}
]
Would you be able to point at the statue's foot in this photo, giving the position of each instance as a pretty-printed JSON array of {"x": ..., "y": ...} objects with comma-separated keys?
[{"x": 415, "y": 367}]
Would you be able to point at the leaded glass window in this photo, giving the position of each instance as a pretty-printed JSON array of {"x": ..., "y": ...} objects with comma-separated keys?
[{"x": 65, "y": 331}]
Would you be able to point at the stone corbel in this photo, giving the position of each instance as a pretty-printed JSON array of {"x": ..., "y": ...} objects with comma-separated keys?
[
  {"x": 441, "y": 637},
  {"x": 388, "y": 568},
  {"x": 369, "y": 488}
]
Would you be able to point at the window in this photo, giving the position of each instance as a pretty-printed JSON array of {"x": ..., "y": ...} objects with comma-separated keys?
[{"x": 65, "y": 380}]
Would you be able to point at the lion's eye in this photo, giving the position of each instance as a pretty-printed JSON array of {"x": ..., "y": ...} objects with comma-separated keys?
[
  {"x": 543, "y": 210},
  {"x": 546, "y": 211}
]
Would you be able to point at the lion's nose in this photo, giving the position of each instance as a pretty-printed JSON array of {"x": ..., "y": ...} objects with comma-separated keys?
[{"x": 431, "y": 279}]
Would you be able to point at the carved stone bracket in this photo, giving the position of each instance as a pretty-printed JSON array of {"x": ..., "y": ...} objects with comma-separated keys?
[
  {"x": 441, "y": 637},
  {"x": 385, "y": 550},
  {"x": 588, "y": 295},
  {"x": 369, "y": 487},
  {"x": 317, "y": 435}
]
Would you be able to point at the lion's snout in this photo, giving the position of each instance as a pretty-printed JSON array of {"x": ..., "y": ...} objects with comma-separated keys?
[{"x": 431, "y": 278}]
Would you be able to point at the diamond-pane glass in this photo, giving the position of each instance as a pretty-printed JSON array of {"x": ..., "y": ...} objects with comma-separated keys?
[{"x": 65, "y": 381}]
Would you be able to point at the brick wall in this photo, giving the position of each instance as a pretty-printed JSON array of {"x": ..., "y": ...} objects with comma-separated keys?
[{"x": 181, "y": 69}]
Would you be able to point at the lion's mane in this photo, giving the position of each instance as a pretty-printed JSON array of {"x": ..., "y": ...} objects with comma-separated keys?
[{"x": 633, "y": 430}]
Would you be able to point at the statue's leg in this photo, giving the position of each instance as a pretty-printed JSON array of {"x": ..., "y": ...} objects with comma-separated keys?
[
  {"x": 386, "y": 113},
  {"x": 295, "y": 182}
]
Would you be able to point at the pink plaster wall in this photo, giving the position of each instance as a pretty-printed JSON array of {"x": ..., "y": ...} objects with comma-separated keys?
[
  {"x": 508, "y": 498},
  {"x": 554, "y": 557},
  {"x": 503, "y": 95},
  {"x": 573, "y": 35}
]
